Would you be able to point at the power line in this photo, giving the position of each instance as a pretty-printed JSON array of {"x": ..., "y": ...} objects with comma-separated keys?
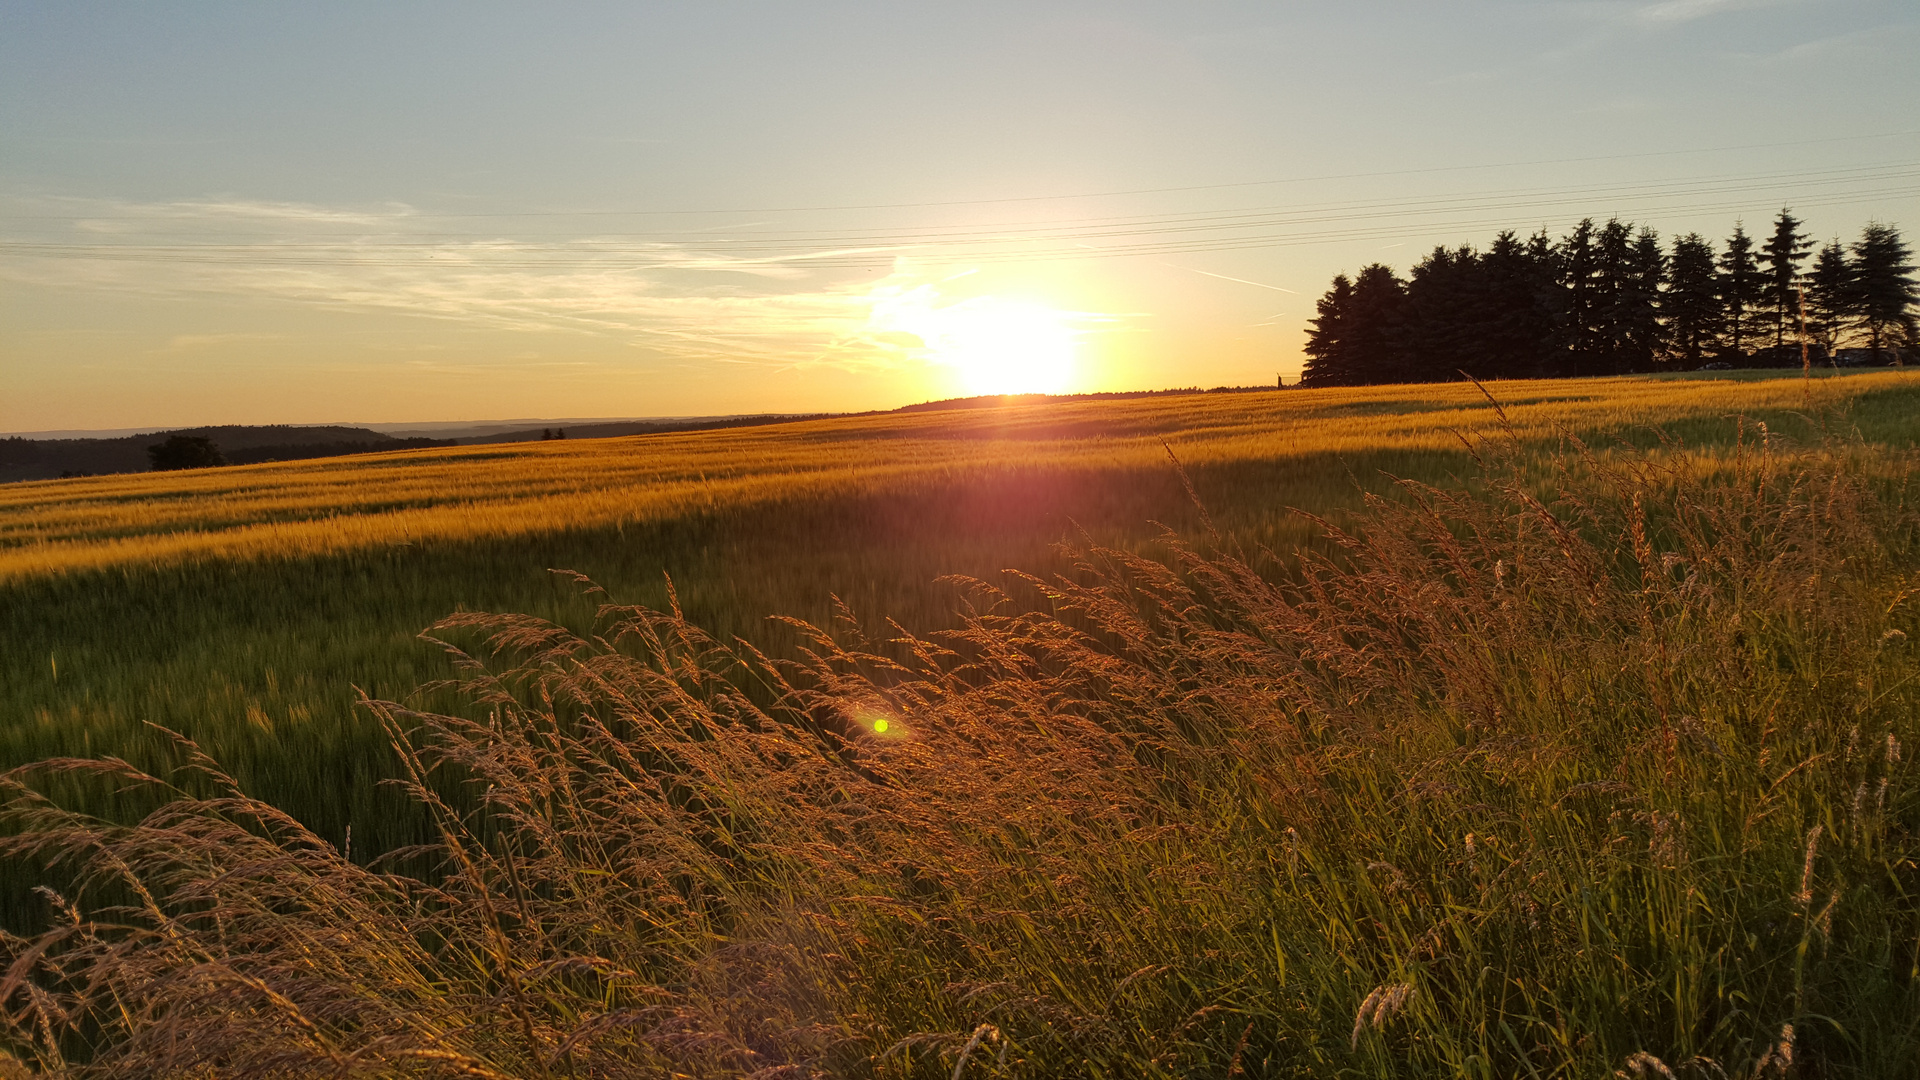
[
  {"x": 1260, "y": 227},
  {"x": 1634, "y": 190},
  {"x": 632, "y": 258}
]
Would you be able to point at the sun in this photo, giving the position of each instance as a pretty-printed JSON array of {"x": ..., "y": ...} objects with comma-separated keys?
[
  {"x": 1006, "y": 346},
  {"x": 993, "y": 344}
]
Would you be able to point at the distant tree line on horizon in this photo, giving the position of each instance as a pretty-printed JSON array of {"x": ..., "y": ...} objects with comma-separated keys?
[{"x": 1611, "y": 299}]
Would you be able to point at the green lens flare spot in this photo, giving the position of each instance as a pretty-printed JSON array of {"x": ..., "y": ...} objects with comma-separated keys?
[{"x": 880, "y": 727}]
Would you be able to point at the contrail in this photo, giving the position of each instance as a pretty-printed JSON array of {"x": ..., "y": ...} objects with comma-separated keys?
[{"x": 1241, "y": 280}]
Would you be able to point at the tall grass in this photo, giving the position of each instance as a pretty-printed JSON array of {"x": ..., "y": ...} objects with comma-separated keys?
[
  {"x": 1515, "y": 781},
  {"x": 258, "y": 661},
  {"x": 243, "y": 606}
]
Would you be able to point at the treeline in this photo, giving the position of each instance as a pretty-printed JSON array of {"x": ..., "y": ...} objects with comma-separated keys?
[{"x": 1612, "y": 299}]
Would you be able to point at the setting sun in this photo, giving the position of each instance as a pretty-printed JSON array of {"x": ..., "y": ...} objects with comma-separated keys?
[{"x": 995, "y": 345}]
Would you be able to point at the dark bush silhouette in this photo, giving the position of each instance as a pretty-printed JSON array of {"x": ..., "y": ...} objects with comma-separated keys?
[{"x": 185, "y": 452}]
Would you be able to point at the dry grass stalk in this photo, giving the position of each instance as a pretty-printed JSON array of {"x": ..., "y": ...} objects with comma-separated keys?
[
  {"x": 1643, "y": 1064},
  {"x": 1778, "y": 1060},
  {"x": 1378, "y": 1007}
]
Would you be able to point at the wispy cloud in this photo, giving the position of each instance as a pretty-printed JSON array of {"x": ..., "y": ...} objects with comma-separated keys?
[
  {"x": 192, "y": 343},
  {"x": 1859, "y": 45},
  {"x": 694, "y": 300},
  {"x": 129, "y": 214},
  {"x": 1681, "y": 11},
  {"x": 286, "y": 212},
  {"x": 1662, "y": 12}
]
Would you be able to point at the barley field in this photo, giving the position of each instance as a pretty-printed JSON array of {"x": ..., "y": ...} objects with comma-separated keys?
[
  {"x": 1372, "y": 732},
  {"x": 284, "y": 511}
]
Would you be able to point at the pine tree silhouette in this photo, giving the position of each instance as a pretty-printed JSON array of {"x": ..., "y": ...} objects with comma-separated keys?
[
  {"x": 1608, "y": 299},
  {"x": 1326, "y": 337},
  {"x": 1579, "y": 271},
  {"x": 1446, "y": 313},
  {"x": 1375, "y": 337},
  {"x": 1742, "y": 289},
  {"x": 1885, "y": 291},
  {"x": 1830, "y": 298},
  {"x": 1780, "y": 260},
  {"x": 1690, "y": 307},
  {"x": 1640, "y": 334}
]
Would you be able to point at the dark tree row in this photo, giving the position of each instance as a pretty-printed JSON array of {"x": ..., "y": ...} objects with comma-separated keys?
[{"x": 1610, "y": 299}]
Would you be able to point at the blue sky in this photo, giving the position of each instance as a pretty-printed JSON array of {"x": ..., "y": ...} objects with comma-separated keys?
[{"x": 257, "y": 213}]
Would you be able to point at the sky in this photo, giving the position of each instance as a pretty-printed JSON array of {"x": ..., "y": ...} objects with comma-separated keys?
[{"x": 399, "y": 211}]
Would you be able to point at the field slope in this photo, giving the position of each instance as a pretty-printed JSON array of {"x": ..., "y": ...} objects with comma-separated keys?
[
  {"x": 291, "y": 510},
  {"x": 244, "y": 606},
  {"x": 1592, "y": 759}
]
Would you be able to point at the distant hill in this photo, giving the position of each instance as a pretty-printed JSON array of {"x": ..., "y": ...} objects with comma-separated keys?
[
  {"x": 468, "y": 431},
  {"x": 47, "y": 459},
  {"x": 618, "y": 428}
]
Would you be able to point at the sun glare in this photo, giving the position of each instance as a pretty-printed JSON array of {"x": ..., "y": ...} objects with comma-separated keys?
[{"x": 994, "y": 345}]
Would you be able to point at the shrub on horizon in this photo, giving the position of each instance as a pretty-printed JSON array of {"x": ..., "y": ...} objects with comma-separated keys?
[{"x": 185, "y": 452}]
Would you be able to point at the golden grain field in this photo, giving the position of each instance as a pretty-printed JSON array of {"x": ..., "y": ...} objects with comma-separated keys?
[{"x": 312, "y": 508}]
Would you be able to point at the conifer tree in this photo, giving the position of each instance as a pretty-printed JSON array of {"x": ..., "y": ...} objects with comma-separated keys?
[
  {"x": 1640, "y": 313},
  {"x": 1742, "y": 289},
  {"x": 1548, "y": 272},
  {"x": 1326, "y": 336},
  {"x": 1446, "y": 315},
  {"x": 1780, "y": 260},
  {"x": 1629, "y": 268},
  {"x": 1612, "y": 285},
  {"x": 1578, "y": 261},
  {"x": 1885, "y": 291},
  {"x": 1375, "y": 345},
  {"x": 1690, "y": 308},
  {"x": 1830, "y": 297},
  {"x": 1519, "y": 290},
  {"x": 1606, "y": 299}
]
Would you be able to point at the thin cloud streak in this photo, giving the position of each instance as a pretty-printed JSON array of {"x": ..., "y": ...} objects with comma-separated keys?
[
  {"x": 1684, "y": 11},
  {"x": 1243, "y": 281},
  {"x": 121, "y": 211},
  {"x": 499, "y": 284},
  {"x": 1663, "y": 12},
  {"x": 701, "y": 310}
]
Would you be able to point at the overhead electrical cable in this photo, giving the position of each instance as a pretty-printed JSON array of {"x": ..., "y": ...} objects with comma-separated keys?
[
  {"x": 1071, "y": 238},
  {"x": 1503, "y": 197}
]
